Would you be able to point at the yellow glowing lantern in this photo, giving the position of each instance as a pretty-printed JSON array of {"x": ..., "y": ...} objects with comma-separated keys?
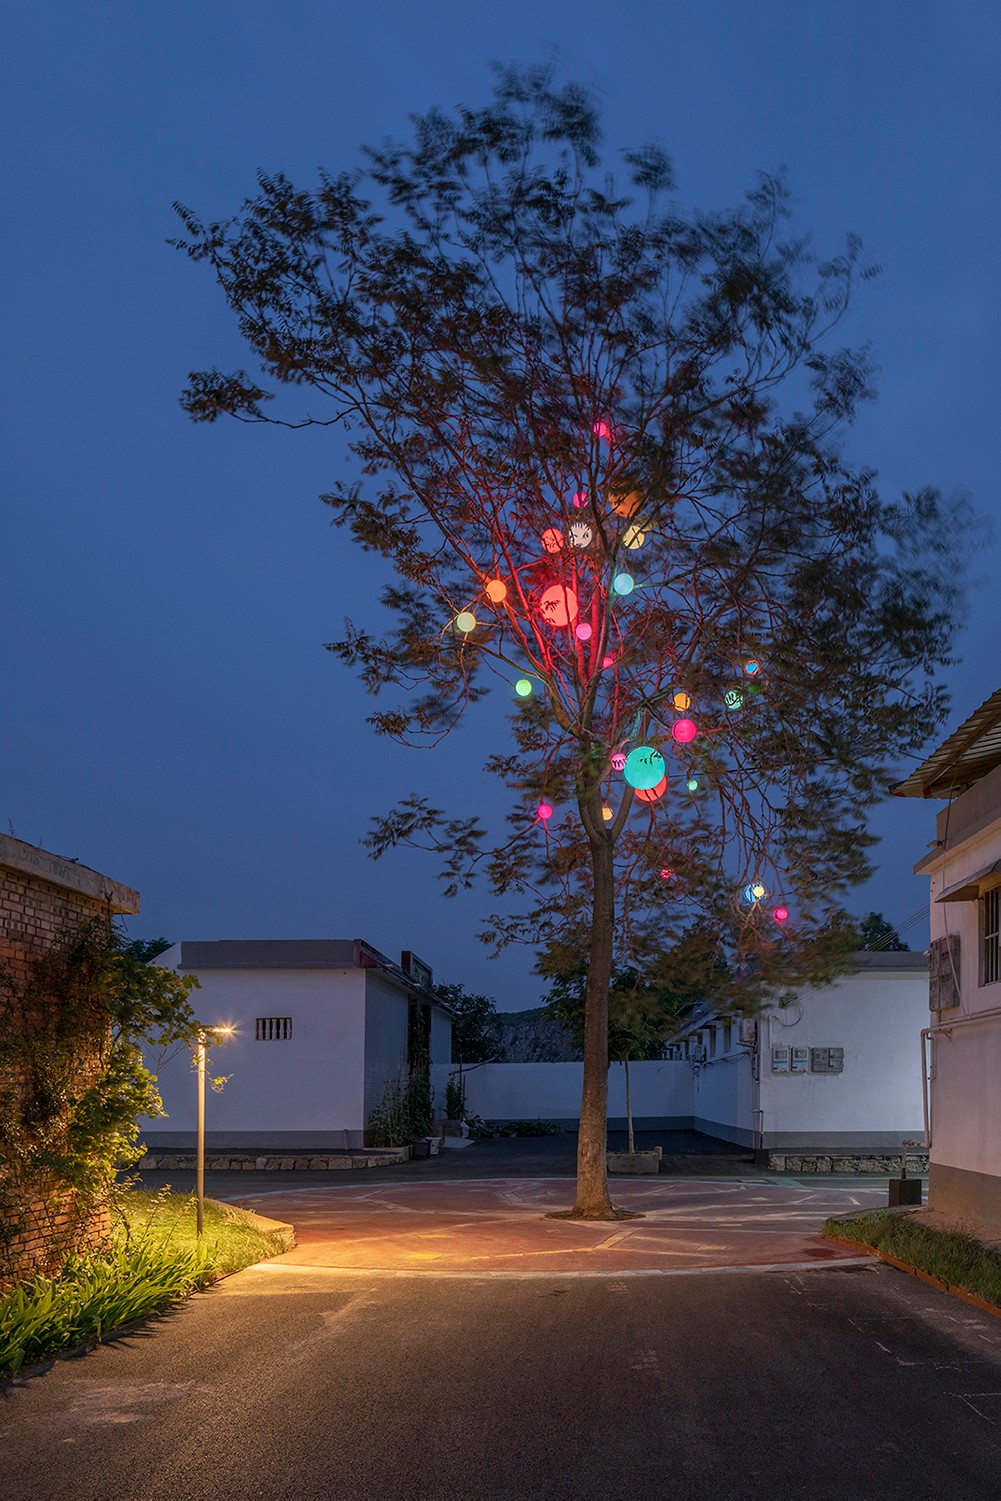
[
  {"x": 634, "y": 536},
  {"x": 495, "y": 590},
  {"x": 607, "y": 813},
  {"x": 682, "y": 701}
]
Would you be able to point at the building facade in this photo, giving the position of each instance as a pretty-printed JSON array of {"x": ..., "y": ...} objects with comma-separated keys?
[{"x": 322, "y": 1028}]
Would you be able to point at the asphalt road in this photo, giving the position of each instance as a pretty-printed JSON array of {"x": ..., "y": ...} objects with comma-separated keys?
[{"x": 836, "y": 1385}]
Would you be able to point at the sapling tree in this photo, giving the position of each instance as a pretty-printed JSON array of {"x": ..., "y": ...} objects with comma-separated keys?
[{"x": 597, "y": 440}]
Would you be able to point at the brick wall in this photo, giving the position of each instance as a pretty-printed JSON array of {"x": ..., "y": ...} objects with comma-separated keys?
[{"x": 44, "y": 900}]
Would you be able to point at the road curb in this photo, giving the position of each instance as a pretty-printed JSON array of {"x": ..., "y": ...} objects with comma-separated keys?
[{"x": 914, "y": 1271}]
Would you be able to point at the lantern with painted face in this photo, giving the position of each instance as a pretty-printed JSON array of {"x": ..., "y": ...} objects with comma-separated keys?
[{"x": 644, "y": 767}]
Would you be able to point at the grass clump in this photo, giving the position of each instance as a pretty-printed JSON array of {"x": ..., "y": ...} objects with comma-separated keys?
[
  {"x": 952, "y": 1257},
  {"x": 154, "y": 1260}
]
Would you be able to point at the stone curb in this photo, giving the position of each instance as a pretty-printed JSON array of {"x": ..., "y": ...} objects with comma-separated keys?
[{"x": 278, "y": 1163}]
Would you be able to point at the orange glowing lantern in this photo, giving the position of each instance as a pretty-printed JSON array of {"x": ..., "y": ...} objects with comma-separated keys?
[
  {"x": 495, "y": 590},
  {"x": 552, "y": 539},
  {"x": 558, "y": 605}
]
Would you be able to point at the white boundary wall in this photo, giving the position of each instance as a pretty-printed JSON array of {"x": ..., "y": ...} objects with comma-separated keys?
[{"x": 661, "y": 1092}]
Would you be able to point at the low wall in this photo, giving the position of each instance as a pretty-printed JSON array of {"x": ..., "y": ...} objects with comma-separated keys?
[{"x": 661, "y": 1093}]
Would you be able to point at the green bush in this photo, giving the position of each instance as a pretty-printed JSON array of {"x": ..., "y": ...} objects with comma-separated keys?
[
  {"x": 455, "y": 1100},
  {"x": 957, "y": 1259}
]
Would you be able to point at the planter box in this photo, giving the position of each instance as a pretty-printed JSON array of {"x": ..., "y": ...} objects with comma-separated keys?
[{"x": 634, "y": 1162}]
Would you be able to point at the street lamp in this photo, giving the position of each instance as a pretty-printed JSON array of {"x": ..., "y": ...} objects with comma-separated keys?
[{"x": 200, "y": 1144}]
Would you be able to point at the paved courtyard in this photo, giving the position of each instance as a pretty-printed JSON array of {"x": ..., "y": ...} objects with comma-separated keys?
[{"x": 498, "y": 1226}]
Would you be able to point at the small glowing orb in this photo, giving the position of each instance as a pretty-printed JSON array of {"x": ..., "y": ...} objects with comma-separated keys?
[
  {"x": 552, "y": 539},
  {"x": 580, "y": 499},
  {"x": 644, "y": 767},
  {"x": 602, "y": 430},
  {"x": 523, "y": 687},
  {"x": 583, "y": 631},
  {"x": 666, "y": 874},
  {"x": 625, "y": 504},
  {"x": 581, "y": 534},
  {"x": 608, "y": 661},
  {"x": 752, "y": 667},
  {"x": 758, "y": 891},
  {"x": 733, "y": 699},
  {"x": 558, "y": 605},
  {"x": 692, "y": 784},
  {"x": 618, "y": 761},
  {"x": 495, "y": 590},
  {"x": 465, "y": 621},
  {"x": 682, "y": 702},
  {"x": 780, "y": 914},
  {"x": 634, "y": 536},
  {"x": 748, "y": 894},
  {"x": 545, "y": 811},
  {"x": 651, "y": 794},
  {"x": 623, "y": 583},
  {"x": 607, "y": 813},
  {"x": 684, "y": 731}
]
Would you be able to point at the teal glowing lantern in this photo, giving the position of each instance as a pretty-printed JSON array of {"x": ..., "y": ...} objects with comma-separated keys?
[
  {"x": 693, "y": 784},
  {"x": 644, "y": 767},
  {"x": 623, "y": 583},
  {"x": 523, "y": 688},
  {"x": 733, "y": 699}
]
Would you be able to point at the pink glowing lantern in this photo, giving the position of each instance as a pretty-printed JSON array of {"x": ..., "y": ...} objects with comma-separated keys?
[
  {"x": 608, "y": 661},
  {"x": 603, "y": 431},
  {"x": 583, "y": 631},
  {"x": 552, "y": 539},
  {"x": 580, "y": 499},
  {"x": 684, "y": 731},
  {"x": 780, "y": 914},
  {"x": 652, "y": 794},
  {"x": 618, "y": 761},
  {"x": 558, "y": 605},
  {"x": 545, "y": 811},
  {"x": 666, "y": 874}
]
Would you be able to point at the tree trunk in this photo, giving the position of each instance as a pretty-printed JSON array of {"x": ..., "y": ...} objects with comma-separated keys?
[
  {"x": 629, "y": 1108},
  {"x": 592, "y": 1177}
]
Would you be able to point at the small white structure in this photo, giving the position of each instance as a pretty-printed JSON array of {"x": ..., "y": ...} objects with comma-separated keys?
[
  {"x": 838, "y": 1069},
  {"x": 322, "y": 1026},
  {"x": 964, "y": 867}
]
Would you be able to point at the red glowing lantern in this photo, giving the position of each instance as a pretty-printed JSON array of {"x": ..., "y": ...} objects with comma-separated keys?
[
  {"x": 558, "y": 605},
  {"x": 552, "y": 539},
  {"x": 684, "y": 731},
  {"x": 602, "y": 430},
  {"x": 651, "y": 794}
]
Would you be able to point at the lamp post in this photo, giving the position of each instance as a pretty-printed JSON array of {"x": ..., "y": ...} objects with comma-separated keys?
[{"x": 200, "y": 1143}]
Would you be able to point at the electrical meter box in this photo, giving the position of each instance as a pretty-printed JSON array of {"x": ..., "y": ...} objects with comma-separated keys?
[
  {"x": 780, "y": 1060},
  {"x": 800, "y": 1061},
  {"x": 827, "y": 1060}
]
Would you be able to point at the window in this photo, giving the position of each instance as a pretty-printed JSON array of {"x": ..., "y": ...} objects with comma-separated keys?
[
  {"x": 990, "y": 936},
  {"x": 727, "y": 1036},
  {"x": 273, "y": 1029}
]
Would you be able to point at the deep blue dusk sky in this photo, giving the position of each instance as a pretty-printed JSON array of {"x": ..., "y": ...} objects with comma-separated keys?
[{"x": 169, "y": 714}]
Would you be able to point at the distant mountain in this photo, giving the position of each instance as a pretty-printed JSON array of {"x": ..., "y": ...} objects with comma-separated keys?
[{"x": 533, "y": 1037}]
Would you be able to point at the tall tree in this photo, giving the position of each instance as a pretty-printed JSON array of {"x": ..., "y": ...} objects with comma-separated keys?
[
  {"x": 474, "y": 1029},
  {"x": 874, "y": 932},
  {"x": 598, "y": 444}
]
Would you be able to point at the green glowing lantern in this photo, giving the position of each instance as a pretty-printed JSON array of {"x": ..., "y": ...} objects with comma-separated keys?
[
  {"x": 465, "y": 622},
  {"x": 644, "y": 767},
  {"x": 523, "y": 688}
]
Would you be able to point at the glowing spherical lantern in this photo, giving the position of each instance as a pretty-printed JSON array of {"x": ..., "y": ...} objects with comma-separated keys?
[
  {"x": 618, "y": 761},
  {"x": 644, "y": 767},
  {"x": 603, "y": 431},
  {"x": 666, "y": 874},
  {"x": 684, "y": 731},
  {"x": 558, "y": 605},
  {"x": 623, "y": 583},
  {"x": 733, "y": 699},
  {"x": 758, "y": 891},
  {"x": 625, "y": 503},
  {"x": 608, "y": 661},
  {"x": 552, "y": 539},
  {"x": 495, "y": 590},
  {"x": 693, "y": 784},
  {"x": 752, "y": 667},
  {"x": 652, "y": 794},
  {"x": 681, "y": 701},
  {"x": 607, "y": 813},
  {"x": 523, "y": 687},
  {"x": 545, "y": 811},
  {"x": 581, "y": 534},
  {"x": 634, "y": 536},
  {"x": 465, "y": 621},
  {"x": 582, "y": 631},
  {"x": 780, "y": 914},
  {"x": 580, "y": 499}
]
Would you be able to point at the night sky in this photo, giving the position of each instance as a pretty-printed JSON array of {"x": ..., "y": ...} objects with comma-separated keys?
[{"x": 169, "y": 714}]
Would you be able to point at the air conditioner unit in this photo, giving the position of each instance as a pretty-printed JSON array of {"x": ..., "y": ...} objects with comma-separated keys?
[{"x": 748, "y": 1032}]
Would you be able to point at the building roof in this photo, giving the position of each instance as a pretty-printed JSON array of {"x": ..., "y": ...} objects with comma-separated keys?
[
  {"x": 968, "y": 755},
  {"x": 296, "y": 953},
  {"x": 30, "y": 860}
]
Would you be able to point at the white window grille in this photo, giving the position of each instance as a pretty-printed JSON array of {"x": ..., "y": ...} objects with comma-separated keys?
[
  {"x": 272, "y": 1029},
  {"x": 990, "y": 936}
]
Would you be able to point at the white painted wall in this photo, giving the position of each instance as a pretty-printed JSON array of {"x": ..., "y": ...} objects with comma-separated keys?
[
  {"x": 876, "y": 1016},
  {"x": 551, "y": 1091},
  {"x": 309, "y": 1087},
  {"x": 723, "y": 1092},
  {"x": 386, "y": 1013}
]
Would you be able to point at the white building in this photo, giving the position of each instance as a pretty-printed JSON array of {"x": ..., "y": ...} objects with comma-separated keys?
[
  {"x": 964, "y": 867},
  {"x": 322, "y": 1026},
  {"x": 837, "y": 1070}
]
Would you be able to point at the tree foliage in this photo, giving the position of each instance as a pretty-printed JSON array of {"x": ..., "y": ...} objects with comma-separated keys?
[
  {"x": 598, "y": 441},
  {"x": 874, "y": 932},
  {"x": 474, "y": 1031}
]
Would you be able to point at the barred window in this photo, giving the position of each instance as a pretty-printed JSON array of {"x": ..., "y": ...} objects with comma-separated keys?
[
  {"x": 990, "y": 936},
  {"x": 273, "y": 1029}
]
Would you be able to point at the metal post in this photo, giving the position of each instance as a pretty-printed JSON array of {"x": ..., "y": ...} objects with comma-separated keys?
[{"x": 200, "y": 1146}]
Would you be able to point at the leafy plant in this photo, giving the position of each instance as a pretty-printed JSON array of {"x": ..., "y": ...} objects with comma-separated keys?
[{"x": 455, "y": 1099}]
